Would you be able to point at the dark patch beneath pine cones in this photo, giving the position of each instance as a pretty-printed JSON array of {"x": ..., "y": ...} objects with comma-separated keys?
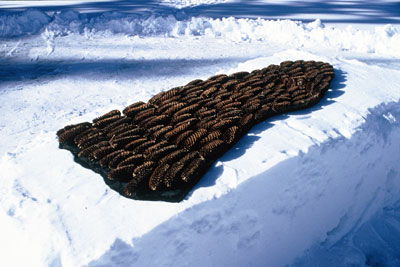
[{"x": 159, "y": 150}]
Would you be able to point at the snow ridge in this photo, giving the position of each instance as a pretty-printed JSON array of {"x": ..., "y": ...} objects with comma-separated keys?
[
  {"x": 26, "y": 23},
  {"x": 192, "y": 3},
  {"x": 383, "y": 40},
  {"x": 333, "y": 194},
  {"x": 372, "y": 238}
]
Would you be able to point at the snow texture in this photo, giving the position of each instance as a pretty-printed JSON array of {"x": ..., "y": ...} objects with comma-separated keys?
[
  {"x": 382, "y": 40},
  {"x": 310, "y": 198},
  {"x": 318, "y": 187},
  {"x": 192, "y": 3}
]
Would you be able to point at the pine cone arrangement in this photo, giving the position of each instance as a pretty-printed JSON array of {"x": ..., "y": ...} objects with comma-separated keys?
[{"x": 159, "y": 150}]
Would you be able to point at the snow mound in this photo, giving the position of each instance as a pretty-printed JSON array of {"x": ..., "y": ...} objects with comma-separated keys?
[
  {"x": 26, "y": 23},
  {"x": 321, "y": 173},
  {"x": 342, "y": 191},
  {"x": 372, "y": 237},
  {"x": 383, "y": 40},
  {"x": 192, "y": 3}
]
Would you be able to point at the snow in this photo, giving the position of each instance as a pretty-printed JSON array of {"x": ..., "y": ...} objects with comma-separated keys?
[
  {"x": 307, "y": 199},
  {"x": 383, "y": 40},
  {"x": 319, "y": 186},
  {"x": 28, "y": 22},
  {"x": 192, "y": 3}
]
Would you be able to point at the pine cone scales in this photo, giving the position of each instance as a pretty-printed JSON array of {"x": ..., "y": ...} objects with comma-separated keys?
[{"x": 160, "y": 149}]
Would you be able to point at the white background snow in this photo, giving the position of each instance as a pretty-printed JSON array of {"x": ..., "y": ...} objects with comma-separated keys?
[{"x": 319, "y": 187}]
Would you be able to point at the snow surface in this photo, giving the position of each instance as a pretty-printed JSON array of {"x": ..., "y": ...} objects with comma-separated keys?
[
  {"x": 191, "y": 3},
  {"x": 318, "y": 187}
]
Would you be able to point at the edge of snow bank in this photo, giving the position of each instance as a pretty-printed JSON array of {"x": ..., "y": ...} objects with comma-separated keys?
[
  {"x": 317, "y": 198},
  {"x": 383, "y": 40},
  {"x": 193, "y": 3}
]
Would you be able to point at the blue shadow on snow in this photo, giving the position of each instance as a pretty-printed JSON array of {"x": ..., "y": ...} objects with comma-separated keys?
[{"x": 344, "y": 11}]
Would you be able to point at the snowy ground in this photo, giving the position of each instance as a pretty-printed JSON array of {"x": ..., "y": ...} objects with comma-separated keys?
[{"x": 320, "y": 187}]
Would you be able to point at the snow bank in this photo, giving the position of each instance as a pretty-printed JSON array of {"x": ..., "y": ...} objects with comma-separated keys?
[
  {"x": 341, "y": 186},
  {"x": 192, "y": 3},
  {"x": 26, "y": 23},
  {"x": 384, "y": 40},
  {"x": 371, "y": 237},
  {"x": 264, "y": 201}
]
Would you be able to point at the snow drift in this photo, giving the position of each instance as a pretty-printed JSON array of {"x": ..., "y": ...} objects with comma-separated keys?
[
  {"x": 384, "y": 40},
  {"x": 25, "y": 23},
  {"x": 191, "y": 3},
  {"x": 315, "y": 199}
]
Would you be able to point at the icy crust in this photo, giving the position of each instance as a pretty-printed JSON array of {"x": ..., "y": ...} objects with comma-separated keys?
[
  {"x": 383, "y": 40},
  {"x": 341, "y": 199}
]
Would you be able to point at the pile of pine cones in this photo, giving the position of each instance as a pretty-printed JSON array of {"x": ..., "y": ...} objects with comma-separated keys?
[{"x": 169, "y": 142}]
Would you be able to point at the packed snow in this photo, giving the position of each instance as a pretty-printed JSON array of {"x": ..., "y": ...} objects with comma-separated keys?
[
  {"x": 319, "y": 187},
  {"x": 191, "y": 3}
]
